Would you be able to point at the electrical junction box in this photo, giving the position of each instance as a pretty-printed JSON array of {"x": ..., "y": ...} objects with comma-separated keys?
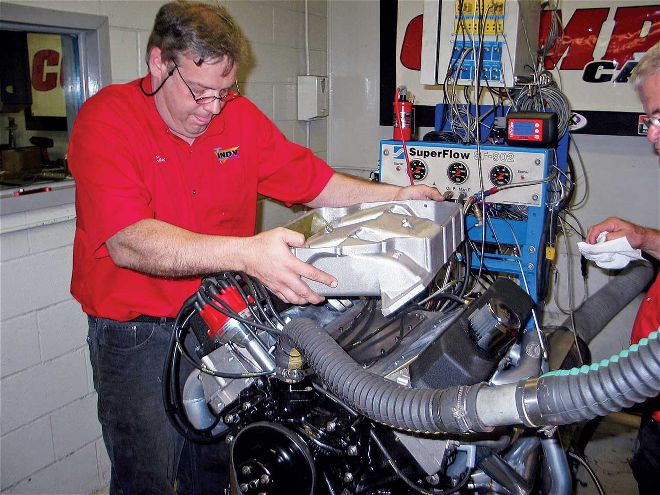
[
  {"x": 502, "y": 34},
  {"x": 312, "y": 97},
  {"x": 457, "y": 168}
]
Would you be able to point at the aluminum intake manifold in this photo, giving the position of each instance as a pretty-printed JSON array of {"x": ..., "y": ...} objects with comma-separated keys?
[{"x": 389, "y": 249}]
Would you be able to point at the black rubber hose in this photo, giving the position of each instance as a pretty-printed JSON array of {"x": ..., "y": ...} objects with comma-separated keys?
[
  {"x": 570, "y": 396},
  {"x": 384, "y": 401}
]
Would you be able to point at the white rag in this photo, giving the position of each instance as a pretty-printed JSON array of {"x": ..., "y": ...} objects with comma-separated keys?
[{"x": 611, "y": 255}]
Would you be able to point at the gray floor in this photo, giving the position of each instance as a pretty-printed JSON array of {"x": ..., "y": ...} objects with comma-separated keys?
[{"x": 608, "y": 454}]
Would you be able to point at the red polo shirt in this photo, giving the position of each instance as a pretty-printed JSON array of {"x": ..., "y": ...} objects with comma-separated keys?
[
  {"x": 648, "y": 314},
  {"x": 128, "y": 166},
  {"x": 648, "y": 320}
]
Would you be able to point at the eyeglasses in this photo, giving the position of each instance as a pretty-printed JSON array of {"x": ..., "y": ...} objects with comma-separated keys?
[
  {"x": 652, "y": 121},
  {"x": 225, "y": 95}
]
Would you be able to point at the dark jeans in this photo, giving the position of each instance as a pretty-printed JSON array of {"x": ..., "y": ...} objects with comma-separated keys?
[
  {"x": 645, "y": 462},
  {"x": 148, "y": 456}
]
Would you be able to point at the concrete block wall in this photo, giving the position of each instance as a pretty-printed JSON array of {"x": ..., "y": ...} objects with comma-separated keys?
[
  {"x": 49, "y": 434},
  {"x": 50, "y": 439}
]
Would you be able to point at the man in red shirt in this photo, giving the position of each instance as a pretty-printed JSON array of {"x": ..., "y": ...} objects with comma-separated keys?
[
  {"x": 168, "y": 169},
  {"x": 645, "y": 463}
]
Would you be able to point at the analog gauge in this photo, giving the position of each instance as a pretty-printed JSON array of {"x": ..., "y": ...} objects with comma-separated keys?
[
  {"x": 418, "y": 169},
  {"x": 500, "y": 175},
  {"x": 457, "y": 172}
]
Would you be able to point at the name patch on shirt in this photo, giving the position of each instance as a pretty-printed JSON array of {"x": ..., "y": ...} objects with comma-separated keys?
[{"x": 226, "y": 154}]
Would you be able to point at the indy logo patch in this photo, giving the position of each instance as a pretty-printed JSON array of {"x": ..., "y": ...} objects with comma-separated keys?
[{"x": 226, "y": 154}]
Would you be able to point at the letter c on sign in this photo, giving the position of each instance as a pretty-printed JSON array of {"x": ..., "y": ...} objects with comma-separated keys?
[
  {"x": 42, "y": 81},
  {"x": 599, "y": 71}
]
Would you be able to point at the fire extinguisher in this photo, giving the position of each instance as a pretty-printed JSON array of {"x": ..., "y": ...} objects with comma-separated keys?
[
  {"x": 403, "y": 124},
  {"x": 403, "y": 115}
]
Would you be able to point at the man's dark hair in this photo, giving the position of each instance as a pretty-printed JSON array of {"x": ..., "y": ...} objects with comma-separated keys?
[{"x": 206, "y": 32}]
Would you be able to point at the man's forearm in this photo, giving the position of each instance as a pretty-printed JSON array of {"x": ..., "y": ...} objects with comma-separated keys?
[
  {"x": 344, "y": 190},
  {"x": 157, "y": 248},
  {"x": 161, "y": 249}
]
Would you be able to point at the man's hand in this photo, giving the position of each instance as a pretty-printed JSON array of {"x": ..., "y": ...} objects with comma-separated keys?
[
  {"x": 419, "y": 192},
  {"x": 643, "y": 238},
  {"x": 268, "y": 257}
]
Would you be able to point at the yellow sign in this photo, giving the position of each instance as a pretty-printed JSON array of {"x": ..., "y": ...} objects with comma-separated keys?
[{"x": 45, "y": 55}]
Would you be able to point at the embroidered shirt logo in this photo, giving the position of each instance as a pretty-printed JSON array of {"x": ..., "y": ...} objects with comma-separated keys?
[
  {"x": 226, "y": 154},
  {"x": 160, "y": 159}
]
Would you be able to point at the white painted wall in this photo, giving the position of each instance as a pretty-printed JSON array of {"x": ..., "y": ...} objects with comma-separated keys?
[
  {"x": 353, "y": 66},
  {"x": 622, "y": 172},
  {"x": 50, "y": 437}
]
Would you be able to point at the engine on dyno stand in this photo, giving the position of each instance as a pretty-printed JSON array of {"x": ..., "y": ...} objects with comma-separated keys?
[{"x": 409, "y": 392}]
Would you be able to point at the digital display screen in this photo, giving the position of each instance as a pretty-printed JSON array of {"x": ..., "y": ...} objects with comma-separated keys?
[{"x": 525, "y": 129}]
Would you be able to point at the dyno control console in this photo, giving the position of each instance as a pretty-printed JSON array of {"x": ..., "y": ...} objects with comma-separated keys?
[{"x": 457, "y": 168}]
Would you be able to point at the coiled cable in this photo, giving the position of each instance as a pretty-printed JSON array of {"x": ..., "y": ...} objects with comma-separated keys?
[{"x": 540, "y": 98}]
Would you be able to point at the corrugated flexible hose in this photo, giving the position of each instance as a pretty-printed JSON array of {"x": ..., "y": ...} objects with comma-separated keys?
[
  {"x": 569, "y": 396},
  {"x": 562, "y": 397},
  {"x": 600, "y": 308},
  {"x": 377, "y": 398}
]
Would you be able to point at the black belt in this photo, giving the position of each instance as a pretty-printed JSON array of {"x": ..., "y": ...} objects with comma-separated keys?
[{"x": 160, "y": 320}]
